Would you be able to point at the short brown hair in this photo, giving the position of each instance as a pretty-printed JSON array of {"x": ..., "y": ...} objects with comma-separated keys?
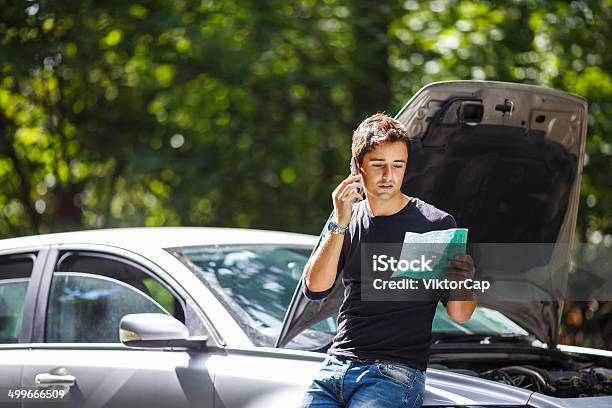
[{"x": 374, "y": 130}]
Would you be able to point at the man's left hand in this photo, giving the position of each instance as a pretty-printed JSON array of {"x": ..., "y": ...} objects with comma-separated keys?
[{"x": 460, "y": 268}]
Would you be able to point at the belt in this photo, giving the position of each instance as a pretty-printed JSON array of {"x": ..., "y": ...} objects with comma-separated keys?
[
  {"x": 370, "y": 361},
  {"x": 364, "y": 360}
]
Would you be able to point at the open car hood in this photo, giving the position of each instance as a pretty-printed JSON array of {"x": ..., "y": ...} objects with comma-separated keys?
[{"x": 506, "y": 161}]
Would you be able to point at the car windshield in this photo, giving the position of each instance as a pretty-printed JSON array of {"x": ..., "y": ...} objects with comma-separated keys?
[
  {"x": 256, "y": 284},
  {"x": 483, "y": 321}
]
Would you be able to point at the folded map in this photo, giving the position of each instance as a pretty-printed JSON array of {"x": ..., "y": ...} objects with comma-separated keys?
[{"x": 431, "y": 251}]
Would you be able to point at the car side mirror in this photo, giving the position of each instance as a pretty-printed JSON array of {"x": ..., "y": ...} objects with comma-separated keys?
[{"x": 157, "y": 330}]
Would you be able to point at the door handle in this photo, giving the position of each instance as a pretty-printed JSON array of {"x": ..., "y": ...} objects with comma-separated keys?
[{"x": 48, "y": 379}]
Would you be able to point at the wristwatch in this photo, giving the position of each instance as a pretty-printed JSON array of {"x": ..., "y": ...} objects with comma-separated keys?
[{"x": 336, "y": 229}]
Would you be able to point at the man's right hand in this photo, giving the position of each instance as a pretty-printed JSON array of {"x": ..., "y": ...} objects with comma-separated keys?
[
  {"x": 321, "y": 270},
  {"x": 344, "y": 196}
]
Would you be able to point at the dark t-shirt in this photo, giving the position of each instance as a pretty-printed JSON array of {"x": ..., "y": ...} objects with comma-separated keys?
[{"x": 384, "y": 330}]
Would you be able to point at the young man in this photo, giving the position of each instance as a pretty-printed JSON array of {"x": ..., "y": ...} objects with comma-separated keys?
[{"x": 380, "y": 353}]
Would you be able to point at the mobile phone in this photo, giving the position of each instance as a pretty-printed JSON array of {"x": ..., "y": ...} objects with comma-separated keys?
[{"x": 355, "y": 172}]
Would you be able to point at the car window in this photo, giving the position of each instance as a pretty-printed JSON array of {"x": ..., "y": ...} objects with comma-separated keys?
[
  {"x": 122, "y": 270},
  {"x": 254, "y": 282},
  {"x": 86, "y": 308},
  {"x": 483, "y": 321},
  {"x": 15, "y": 273},
  {"x": 318, "y": 337},
  {"x": 91, "y": 292}
]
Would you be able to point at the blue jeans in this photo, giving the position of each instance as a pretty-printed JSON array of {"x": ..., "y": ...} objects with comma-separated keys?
[{"x": 343, "y": 382}]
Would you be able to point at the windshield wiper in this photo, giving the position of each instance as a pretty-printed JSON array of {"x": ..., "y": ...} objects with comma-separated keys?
[{"x": 486, "y": 338}]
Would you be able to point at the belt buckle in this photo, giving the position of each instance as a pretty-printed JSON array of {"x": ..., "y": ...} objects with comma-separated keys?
[{"x": 365, "y": 361}]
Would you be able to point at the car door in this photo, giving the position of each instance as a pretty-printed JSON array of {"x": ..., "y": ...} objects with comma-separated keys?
[
  {"x": 76, "y": 335},
  {"x": 16, "y": 275}
]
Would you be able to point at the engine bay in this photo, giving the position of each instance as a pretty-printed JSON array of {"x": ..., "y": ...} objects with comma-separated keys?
[{"x": 547, "y": 372}]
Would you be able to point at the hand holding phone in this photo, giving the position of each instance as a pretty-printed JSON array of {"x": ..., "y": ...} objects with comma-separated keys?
[{"x": 349, "y": 191}]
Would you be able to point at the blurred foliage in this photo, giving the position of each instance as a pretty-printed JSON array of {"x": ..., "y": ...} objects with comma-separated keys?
[{"x": 227, "y": 113}]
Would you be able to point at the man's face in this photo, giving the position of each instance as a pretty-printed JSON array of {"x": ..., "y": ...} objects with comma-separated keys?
[{"x": 383, "y": 169}]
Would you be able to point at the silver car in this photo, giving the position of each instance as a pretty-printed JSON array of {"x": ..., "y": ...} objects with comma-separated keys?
[{"x": 216, "y": 317}]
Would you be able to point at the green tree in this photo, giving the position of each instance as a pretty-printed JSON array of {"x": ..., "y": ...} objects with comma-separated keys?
[{"x": 240, "y": 113}]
